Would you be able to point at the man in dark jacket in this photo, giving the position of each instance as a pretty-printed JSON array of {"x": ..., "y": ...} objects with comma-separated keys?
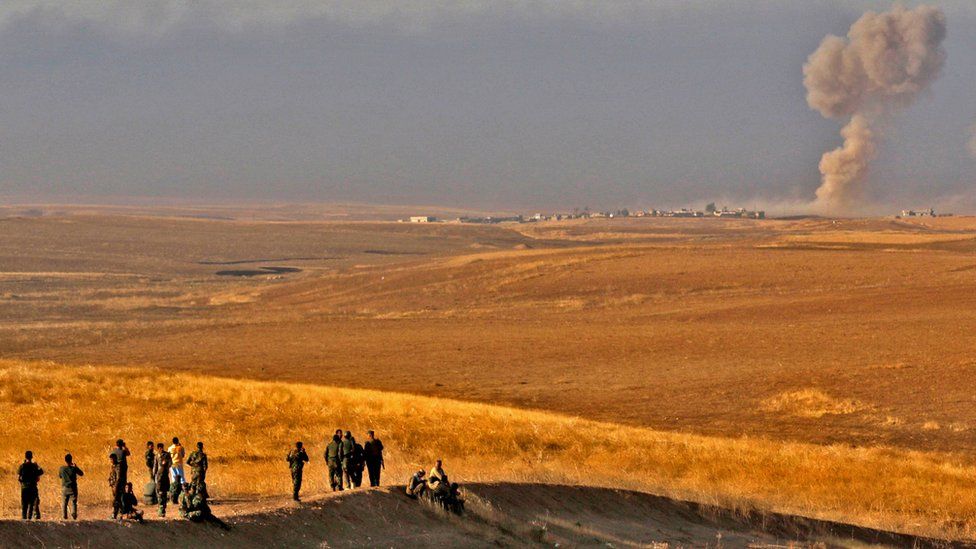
[
  {"x": 357, "y": 465},
  {"x": 347, "y": 452},
  {"x": 28, "y": 474},
  {"x": 150, "y": 457},
  {"x": 374, "y": 457},
  {"x": 69, "y": 474}
]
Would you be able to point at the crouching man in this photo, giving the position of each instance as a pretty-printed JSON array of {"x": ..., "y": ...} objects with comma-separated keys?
[{"x": 417, "y": 484}]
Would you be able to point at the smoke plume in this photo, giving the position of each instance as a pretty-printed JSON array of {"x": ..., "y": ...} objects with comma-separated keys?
[{"x": 885, "y": 62}]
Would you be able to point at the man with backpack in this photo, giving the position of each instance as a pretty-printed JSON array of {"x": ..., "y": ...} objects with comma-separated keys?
[{"x": 333, "y": 459}]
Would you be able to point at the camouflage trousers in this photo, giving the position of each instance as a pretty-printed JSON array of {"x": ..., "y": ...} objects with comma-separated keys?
[
  {"x": 162, "y": 493},
  {"x": 296, "y": 482},
  {"x": 335, "y": 476},
  {"x": 198, "y": 476}
]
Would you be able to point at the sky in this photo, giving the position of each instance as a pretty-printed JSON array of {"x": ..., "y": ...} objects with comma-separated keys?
[{"x": 495, "y": 104}]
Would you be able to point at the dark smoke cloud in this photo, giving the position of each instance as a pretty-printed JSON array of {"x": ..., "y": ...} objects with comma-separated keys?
[{"x": 882, "y": 66}]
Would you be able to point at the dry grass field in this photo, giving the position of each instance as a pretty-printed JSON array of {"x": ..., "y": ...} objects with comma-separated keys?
[
  {"x": 812, "y": 337},
  {"x": 248, "y": 425}
]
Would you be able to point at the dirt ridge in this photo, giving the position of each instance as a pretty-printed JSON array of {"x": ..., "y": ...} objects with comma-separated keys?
[{"x": 498, "y": 514}]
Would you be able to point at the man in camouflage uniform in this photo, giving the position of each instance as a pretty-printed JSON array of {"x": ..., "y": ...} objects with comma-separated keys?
[
  {"x": 28, "y": 474},
  {"x": 193, "y": 503},
  {"x": 198, "y": 465},
  {"x": 121, "y": 453},
  {"x": 116, "y": 485},
  {"x": 333, "y": 458},
  {"x": 297, "y": 458},
  {"x": 347, "y": 453},
  {"x": 160, "y": 474},
  {"x": 186, "y": 498}
]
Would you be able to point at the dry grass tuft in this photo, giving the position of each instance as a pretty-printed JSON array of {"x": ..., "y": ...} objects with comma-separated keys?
[
  {"x": 810, "y": 403},
  {"x": 248, "y": 427}
]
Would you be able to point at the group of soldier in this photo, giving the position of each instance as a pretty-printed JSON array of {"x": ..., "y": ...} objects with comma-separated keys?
[
  {"x": 169, "y": 484},
  {"x": 436, "y": 487},
  {"x": 345, "y": 458},
  {"x": 166, "y": 470}
]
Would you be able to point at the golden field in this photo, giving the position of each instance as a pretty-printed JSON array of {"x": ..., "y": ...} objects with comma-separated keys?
[
  {"x": 248, "y": 427},
  {"x": 832, "y": 357},
  {"x": 684, "y": 325}
]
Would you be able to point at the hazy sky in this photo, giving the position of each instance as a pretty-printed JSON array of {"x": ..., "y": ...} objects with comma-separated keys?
[{"x": 482, "y": 104}]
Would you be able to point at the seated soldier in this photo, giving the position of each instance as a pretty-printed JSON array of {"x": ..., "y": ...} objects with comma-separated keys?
[
  {"x": 455, "y": 501},
  {"x": 186, "y": 496},
  {"x": 437, "y": 482},
  {"x": 417, "y": 484},
  {"x": 193, "y": 503},
  {"x": 129, "y": 503}
]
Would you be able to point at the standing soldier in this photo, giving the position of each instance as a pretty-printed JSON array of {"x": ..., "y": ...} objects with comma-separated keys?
[
  {"x": 28, "y": 474},
  {"x": 150, "y": 457},
  {"x": 358, "y": 464},
  {"x": 374, "y": 457},
  {"x": 69, "y": 474},
  {"x": 347, "y": 451},
  {"x": 333, "y": 458},
  {"x": 297, "y": 458},
  {"x": 121, "y": 454},
  {"x": 161, "y": 466},
  {"x": 115, "y": 485},
  {"x": 198, "y": 465}
]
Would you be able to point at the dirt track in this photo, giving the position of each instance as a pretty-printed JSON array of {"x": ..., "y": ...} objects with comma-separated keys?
[{"x": 512, "y": 515}]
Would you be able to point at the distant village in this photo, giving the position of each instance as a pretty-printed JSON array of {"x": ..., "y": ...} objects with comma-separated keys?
[
  {"x": 925, "y": 212},
  {"x": 585, "y": 213}
]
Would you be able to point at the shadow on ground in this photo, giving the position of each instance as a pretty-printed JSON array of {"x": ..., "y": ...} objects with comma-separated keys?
[{"x": 505, "y": 515}]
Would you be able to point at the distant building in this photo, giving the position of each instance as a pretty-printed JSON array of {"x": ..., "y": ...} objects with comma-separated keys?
[
  {"x": 490, "y": 219},
  {"x": 422, "y": 219},
  {"x": 738, "y": 212}
]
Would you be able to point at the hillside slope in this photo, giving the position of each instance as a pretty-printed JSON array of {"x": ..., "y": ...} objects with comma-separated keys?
[{"x": 507, "y": 515}]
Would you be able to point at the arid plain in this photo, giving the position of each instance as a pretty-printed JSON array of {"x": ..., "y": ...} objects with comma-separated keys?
[{"x": 842, "y": 336}]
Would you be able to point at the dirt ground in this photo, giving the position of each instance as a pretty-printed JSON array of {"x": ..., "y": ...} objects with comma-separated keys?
[
  {"x": 497, "y": 515},
  {"x": 854, "y": 331}
]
